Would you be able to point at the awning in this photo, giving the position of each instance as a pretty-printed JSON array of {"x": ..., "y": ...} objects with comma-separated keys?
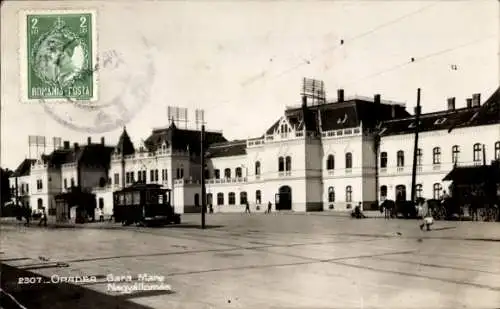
[{"x": 473, "y": 174}]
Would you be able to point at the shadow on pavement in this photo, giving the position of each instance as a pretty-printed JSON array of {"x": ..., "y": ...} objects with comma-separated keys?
[{"x": 54, "y": 296}]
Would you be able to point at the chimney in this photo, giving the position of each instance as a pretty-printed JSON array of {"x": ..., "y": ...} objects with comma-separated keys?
[
  {"x": 476, "y": 100},
  {"x": 376, "y": 99},
  {"x": 89, "y": 140},
  {"x": 340, "y": 95},
  {"x": 66, "y": 144},
  {"x": 102, "y": 140},
  {"x": 76, "y": 146},
  {"x": 451, "y": 104},
  {"x": 469, "y": 102},
  {"x": 304, "y": 101}
]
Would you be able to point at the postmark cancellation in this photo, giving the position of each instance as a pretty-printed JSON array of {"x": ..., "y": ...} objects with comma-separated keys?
[{"x": 58, "y": 55}]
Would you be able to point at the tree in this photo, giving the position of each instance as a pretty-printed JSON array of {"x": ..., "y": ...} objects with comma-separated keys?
[{"x": 5, "y": 194}]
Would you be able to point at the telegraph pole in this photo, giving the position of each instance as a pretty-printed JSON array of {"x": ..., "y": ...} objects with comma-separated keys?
[
  {"x": 415, "y": 147},
  {"x": 203, "y": 188}
]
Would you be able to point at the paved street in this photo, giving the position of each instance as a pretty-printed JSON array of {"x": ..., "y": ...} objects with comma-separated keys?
[{"x": 279, "y": 260}]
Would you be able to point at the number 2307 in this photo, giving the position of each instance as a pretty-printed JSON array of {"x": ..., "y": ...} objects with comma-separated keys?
[{"x": 29, "y": 280}]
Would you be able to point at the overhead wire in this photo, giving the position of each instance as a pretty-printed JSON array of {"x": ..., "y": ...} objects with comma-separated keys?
[
  {"x": 418, "y": 59},
  {"x": 330, "y": 49}
]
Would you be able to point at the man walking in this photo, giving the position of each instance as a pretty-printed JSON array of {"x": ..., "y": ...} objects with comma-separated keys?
[
  {"x": 427, "y": 219},
  {"x": 247, "y": 207},
  {"x": 269, "y": 208},
  {"x": 43, "y": 218}
]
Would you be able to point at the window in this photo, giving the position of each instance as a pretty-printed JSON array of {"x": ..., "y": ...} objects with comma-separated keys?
[
  {"x": 181, "y": 172},
  {"x": 401, "y": 158},
  {"x": 257, "y": 168},
  {"x": 207, "y": 173},
  {"x": 330, "y": 162},
  {"x": 497, "y": 151},
  {"x": 383, "y": 159},
  {"x": 418, "y": 191},
  {"x": 39, "y": 184},
  {"x": 209, "y": 199},
  {"x": 243, "y": 198},
  {"x": 348, "y": 160},
  {"x": 400, "y": 193},
  {"x": 436, "y": 191},
  {"x": 258, "y": 197},
  {"x": 227, "y": 173},
  {"x": 419, "y": 156},
  {"x": 102, "y": 182},
  {"x": 101, "y": 203},
  {"x": 455, "y": 151},
  {"x": 65, "y": 183},
  {"x": 288, "y": 165},
  {"x": 238, "y": 172},
  {"x": 127, "y": 176},
  {"x": 232, "y": 198},
  {"x": 196, "y": 199},
  {"x": 477, "y": 152},
  {"x": 217, "y": 174},
  {"x": 331, "y": 195},
  {"x": 220, "y": 198},
  {"x": 348, "y": 194},
  {"x": 436, "y": 155},
  {"x": 383, "y": 192},
  {"x": 139, "y": 176},
  {"x": 156, "y": 175},
  {"x": 40, "y": 203},
  {"x": 117, "y": 179},
  {"x": 281, "y": 164},
  {"x": 152, "y": 175}
]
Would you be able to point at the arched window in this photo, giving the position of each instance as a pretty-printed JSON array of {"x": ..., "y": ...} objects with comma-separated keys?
[
  {"x": 209, "y": 199},
  {"x": 401, "y": 158},
  {"x": 348, "y": 160},
  {"x": 227, "y": 173},
  {"x": 331, "y": 195},
  {"x": 258, "y": 197},
  {"x": 243, "y": 198},
  {"x": 238, "y": 172},
  {"x": 477, "y": 152},
  {"x": 220, "y": 198},
  {"x": 436, "y": 190},
  {"x": 196, "y": 199},
  {"x": 281, "y": 164},
  {"x": 217, "y": 174},
  {"x": 400, "y": 193},
  {"x": 436, "y": 155},
  {"x": 257, "y": 168},
  {"x": 455, "y": 152},
  {"x": 497, "y": 151},
  {"x": 419, "y": 156},
  {"x": 72, "y": 182},
  {"x": 418, "y": 190},
  {"x": 383, "y": 159},
  {"x": 232, "y": 198},
  {"x": 348, "y": 194},
  {"x": 40, "y": 203},
  {"x": 330, "y": 162},
  {"x": 383, "y": 192},
  {"x": 288, "y": 165}
]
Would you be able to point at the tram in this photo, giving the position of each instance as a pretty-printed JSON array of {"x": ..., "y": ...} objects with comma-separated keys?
[{"x": 144, "y": 205}]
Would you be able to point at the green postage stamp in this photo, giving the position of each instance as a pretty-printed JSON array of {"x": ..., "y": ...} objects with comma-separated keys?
[{"x": 58, "y": 56}]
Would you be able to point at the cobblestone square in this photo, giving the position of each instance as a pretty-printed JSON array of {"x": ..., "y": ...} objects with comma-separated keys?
[{"x": 279, "y": 260}]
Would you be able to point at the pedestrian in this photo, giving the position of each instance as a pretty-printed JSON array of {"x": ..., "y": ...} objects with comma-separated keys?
[
  {"x": 43, "y": 218},
  {"x": 427, "y": 219},
  {"x": 101, "y": 215},
  {"x": 269, "y": 207},
  {"x": 247, "y": 207}
]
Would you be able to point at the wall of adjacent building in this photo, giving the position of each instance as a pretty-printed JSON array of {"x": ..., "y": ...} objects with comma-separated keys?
[{"x": 429, "y": 174}]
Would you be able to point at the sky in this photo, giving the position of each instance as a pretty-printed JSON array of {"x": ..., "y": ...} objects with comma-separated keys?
[{"x": 243, "y": 62}]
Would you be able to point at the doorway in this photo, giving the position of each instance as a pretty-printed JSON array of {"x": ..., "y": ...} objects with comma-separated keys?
[
  {"x": 400, "y": 193},
  {"x": 284, "y": 198}
]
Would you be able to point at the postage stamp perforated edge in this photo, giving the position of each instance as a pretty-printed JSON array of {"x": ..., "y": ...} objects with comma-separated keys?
[{"x": 23, "y": 52}]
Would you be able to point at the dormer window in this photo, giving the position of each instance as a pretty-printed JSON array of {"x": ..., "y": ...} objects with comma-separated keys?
[
  {"x": 440, "y": 121},
  {"x": 342, "y": 120}
]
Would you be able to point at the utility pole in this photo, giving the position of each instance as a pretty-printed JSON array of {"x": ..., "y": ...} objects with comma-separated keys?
[
  {"x": 203, "y": 188},
  {"x": 415, "y": 147}
]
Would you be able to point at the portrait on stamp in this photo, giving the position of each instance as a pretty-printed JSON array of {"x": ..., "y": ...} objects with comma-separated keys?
[{"x": 59, "y": 56}]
